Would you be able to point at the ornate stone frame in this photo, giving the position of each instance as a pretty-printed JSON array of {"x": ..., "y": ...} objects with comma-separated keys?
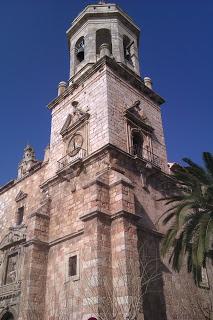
[
  {"x": 147, "y": 136},
  {"x": 11, "y": 244},
  {"x": 76, "y": 123}
]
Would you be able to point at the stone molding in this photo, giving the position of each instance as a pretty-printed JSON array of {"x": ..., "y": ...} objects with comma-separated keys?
[
  {"x": 116, "y": 13},
  {"x": 96, "y": 181},
  {"x": 15, "y": 236},
  {"x": 39, "y": 215},
  {"x": 95, "y": 214},
  {"x": 36, "y": 242},
  {"x": 134, "y": 116},
  {"x": 10, "y": 290},
  {"x": 7, "y": 186},
  {"x": 78, "y": 233},
  {"x": 93, "y": 157},
  {"x": 13, "y": 183},
  {"x": 124, "y": 72},
  {"x": 20, "y": 196},
  {"x": 69, "y": 126}
]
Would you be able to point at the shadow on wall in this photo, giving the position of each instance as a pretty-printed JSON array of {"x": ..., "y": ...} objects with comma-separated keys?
[
  {"x": 145, "y": 219},
  {"x": 154, "y": 305}
]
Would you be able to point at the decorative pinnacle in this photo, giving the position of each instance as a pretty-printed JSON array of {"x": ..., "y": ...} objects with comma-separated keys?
[{"x": 102, "y": 2}]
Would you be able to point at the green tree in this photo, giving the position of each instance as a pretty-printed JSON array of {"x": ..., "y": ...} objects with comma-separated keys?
[{"x": 190, "y": 217}]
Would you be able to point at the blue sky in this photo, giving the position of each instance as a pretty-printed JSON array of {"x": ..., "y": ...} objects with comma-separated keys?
[{"x": 176, "y": 52}]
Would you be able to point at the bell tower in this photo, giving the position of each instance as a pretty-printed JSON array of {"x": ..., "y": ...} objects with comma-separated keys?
[
  {"x": 99, "y": 30},
  {"x": 79, "y": 232},
  {"x": 107, "y": 157}
]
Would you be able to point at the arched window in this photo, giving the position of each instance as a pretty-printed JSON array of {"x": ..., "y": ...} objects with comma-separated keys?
[
  {"x": 137, "y": 143},
  {"x": 127, "y": 43},
  {"x": 8, "y": 316},
  {"x": 103, "y": 36},
  {"x": 79, "y": 50}
]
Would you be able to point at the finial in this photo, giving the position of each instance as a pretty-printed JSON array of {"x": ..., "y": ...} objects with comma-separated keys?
[{"x": 102, "y": 2}]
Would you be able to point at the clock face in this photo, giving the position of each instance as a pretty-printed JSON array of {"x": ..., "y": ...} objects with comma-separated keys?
[{"x": 75, "y": 145}]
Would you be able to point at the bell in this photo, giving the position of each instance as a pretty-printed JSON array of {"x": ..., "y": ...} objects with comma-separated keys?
[
  {"x": 80, "y": 53},
  {"x": 79, "y": 50},
  {"x": 127, "y": 54}
]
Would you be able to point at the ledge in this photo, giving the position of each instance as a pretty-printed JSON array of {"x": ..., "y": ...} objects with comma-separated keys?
[
  {"x": 39, "y": 215},
  {"x": 94, "y": 214},
  {"x": 124, "y": 72},
  {"x": 37, "y": 243},
  {"x": 100, "y": 153},
  {"x": 124, "y": 182},
  {"x": 7, "y": 186},
  {"x": 95, "y": 181},
  {"x": 10, "y": 290},
  {"x": 65, "y": 238},
  {"x": 14, "y": 182},
  {"x": 109, "y": 11}
]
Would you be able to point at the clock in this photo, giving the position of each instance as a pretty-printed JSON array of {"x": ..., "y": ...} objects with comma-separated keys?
[{"x": 75, "y": 144}]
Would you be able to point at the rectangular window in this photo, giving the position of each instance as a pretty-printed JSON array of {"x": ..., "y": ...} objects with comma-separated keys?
[
  {"x": 11, "y": 269},
  {"x": 20, "y": 216},
  {"x": 73, "y": 266}
]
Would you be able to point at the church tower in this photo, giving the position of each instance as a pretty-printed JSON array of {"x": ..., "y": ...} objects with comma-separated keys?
[
  {"x": 102, "y": 30},
  {"x": 79, "y": 233},
  {"x": 104, "y": 44},
  {"x": 107, "y": 165}
]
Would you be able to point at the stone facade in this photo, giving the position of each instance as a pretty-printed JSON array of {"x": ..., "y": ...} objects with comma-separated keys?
[{"x": 79, "y": 228}]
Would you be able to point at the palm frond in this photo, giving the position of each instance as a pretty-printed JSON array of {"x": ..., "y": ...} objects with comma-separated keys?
[
  {"x": 208, "y": 161},
  {"x": 190, "y": 210}
]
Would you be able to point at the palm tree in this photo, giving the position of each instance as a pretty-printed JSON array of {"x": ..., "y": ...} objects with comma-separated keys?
[{"x": 190, "y": 217}]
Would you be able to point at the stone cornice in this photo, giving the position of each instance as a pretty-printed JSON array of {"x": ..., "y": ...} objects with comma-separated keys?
[
  {"x": 138, "y": 222},
  {"x": 67, "y": 237},
  {"x": 102, "y": 11},
  {"x": 124, "y": 72},
  {"x": 50, "y": 182},
  {"x": 39, "y": 215},
  {"x": 13, "y": 183},
  {"x": 20, "y": 196},
  {"x": 132, "y": 117},
  {"x": 96, "y": 181},
  {"x": 134, "y": 218},
  {"x": 123, "y": 182},
  {"x": 16, "y": 236},
  {"x": 101, "y": 153},
  {"x": 94, "y": 214},
  {"x": 7, "y": 186},
  {"x": 37, "y": 242}
]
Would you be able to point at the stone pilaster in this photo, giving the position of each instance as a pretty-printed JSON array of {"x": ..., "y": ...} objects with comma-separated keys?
[
  {"x": 36, "y": 258},
  {"x": 96, "y": 264}
]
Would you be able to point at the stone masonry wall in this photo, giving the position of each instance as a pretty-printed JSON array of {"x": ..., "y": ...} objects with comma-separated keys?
[
  {"x": 92, "y": 95},
  {"x": 8, "y": 205},
  {"x": 122, "y": 96},
  {"x": 103, "y": 209}
]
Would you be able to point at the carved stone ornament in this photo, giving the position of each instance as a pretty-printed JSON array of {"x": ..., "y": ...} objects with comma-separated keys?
[
  {"x": 138, "y": 117},
  {"x": 74, "y": 119},
  {"x": 20, "y": 196},
  {"x": 75, "y": 144},
  {"x": 14, "y": 237}
]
